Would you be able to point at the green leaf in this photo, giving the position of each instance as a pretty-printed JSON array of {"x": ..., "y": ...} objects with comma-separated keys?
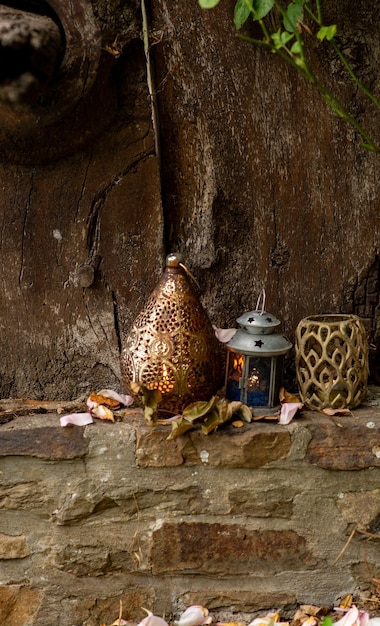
[
  {"x": 241, "y": 12},
  {"x": 261, "y": 8},
  {"x": 293, "y": 15},
  {"x": 256, "y": 8},
  {"x": 327, "y": 32},
  {"x": 296, "y": 48},
  {"x": 208, "y": 4},
  {"x": 280, "y": 39}
]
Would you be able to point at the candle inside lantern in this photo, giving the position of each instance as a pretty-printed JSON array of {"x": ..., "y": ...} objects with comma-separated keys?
[
  {"x": 258, "y": 380},
  {"x": 166, "y": 384}
]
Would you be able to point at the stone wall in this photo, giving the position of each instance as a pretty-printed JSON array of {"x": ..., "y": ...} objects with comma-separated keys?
[{"x": 242, "y": 521}]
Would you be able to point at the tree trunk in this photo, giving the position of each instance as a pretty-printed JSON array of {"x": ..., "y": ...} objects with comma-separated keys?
[
  {"x": 81, "y": 221},
  {"x": 263, "y": 185}
]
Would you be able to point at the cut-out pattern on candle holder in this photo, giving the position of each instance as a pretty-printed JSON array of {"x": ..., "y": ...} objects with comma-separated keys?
[{"x": 332, "y": 361}]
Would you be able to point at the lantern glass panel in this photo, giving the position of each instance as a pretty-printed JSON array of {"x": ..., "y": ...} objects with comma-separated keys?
[
  {"x": 258, "y": 383},
  {"x": 235, "y": 369}
]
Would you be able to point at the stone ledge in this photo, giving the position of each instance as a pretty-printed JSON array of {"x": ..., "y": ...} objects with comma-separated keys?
[{"x": 348, "y": 442}]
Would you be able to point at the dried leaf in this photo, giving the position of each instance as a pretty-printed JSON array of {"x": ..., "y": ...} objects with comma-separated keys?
[
  {"x": 98, "y": 398},
  {"x": 198, "y": 409},
  {"x": 102, "y": 413},
  {"x": 232, "y": 407},
  {"x": 135, "y": 387},
  {"x": 245, "y": 413},
  {"x": 285, "y": 396},
  {"x": 310, "y": 610},
  {"x": 214, "y": 419},
  {"x": 151, "y": 399},
  {"x": 332, "y": 412},
  {"x": 110, "y": 394},
  {"x": 179, "y": 427},
  {"x": 238, "y": 424}
]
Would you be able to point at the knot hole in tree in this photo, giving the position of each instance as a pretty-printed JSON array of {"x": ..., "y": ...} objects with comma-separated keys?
[{"x": 49, "y": 61}]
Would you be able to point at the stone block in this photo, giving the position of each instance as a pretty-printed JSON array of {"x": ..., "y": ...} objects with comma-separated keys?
[
  {"x": 13, "y": 547},
  {"x": 241, "y": 600},
  {"x": 226, "y": 549},
  {"x": 19, "y": 605},
  {"x": 275, "y": 502},
  {"x": 352, "y": 446},
  {"x": 255, "y": 445},
  {"x": 360, "y": 508},
  {"x": 44, "y": 442}
]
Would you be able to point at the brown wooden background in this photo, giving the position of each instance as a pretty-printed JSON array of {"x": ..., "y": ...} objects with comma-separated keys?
[{"x": 258, "y": 183}]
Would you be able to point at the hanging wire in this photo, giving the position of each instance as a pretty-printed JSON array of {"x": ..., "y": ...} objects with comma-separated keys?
[
  {"x": 187, "y": 271},
  {"x": 259, "y": 299}
]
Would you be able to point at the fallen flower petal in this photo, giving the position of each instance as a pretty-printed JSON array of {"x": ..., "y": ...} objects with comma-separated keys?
[
  {"x": 102, "y": 413},
  {"x": 288, "y": 411},
  {"x": 195, "y": 615},
  {"x": 224, "y": 334},
  {"x": 76, "y": 419},
  {"x": 152, "y": 620},
  {"x": 353, "y": 617},
  {"x": 124, "y": 399}
]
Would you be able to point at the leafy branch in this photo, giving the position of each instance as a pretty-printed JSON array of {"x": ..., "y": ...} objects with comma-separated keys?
[{"x": 287, "y": 42}]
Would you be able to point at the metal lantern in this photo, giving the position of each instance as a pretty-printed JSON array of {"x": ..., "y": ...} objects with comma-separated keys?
[
  {"x": 255, "y": 359},
  {"x": 172, "y": 346}
]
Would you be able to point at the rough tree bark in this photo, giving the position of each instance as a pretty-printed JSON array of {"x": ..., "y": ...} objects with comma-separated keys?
[
  {"x": 263, "y": 185},
  {"x": 81, "y": 220}
]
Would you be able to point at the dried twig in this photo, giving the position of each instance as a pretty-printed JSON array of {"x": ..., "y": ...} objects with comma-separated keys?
[
  {"x": 355, "y": 530},
  {"x": 344, "y": 547}
]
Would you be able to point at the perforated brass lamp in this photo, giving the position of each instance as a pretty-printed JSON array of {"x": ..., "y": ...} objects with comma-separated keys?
[
  {"x": 172, "y": 346},
  {"x": 255, "y": 360}
]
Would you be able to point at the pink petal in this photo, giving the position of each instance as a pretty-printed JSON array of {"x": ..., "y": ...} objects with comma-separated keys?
[
  {"x": 122, "y": 398},
  {"x": 288, "y": 411},
  {"x": 195, "y": 615},
  {"x": 76, "y": 419},
  {"x": 350, "y": 619},
  {"x": 153, "y": 620},
  {"x": 224, "y": 334}
]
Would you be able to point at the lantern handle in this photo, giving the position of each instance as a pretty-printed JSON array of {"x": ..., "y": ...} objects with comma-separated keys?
[{"x": 259, "y": 299}]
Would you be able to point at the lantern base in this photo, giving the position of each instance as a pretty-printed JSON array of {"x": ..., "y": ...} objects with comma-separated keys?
[{"x": 265, "y": 411}]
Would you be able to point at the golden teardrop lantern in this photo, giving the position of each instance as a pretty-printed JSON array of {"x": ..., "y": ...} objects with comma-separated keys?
[{"x": 172, "y": 346}]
